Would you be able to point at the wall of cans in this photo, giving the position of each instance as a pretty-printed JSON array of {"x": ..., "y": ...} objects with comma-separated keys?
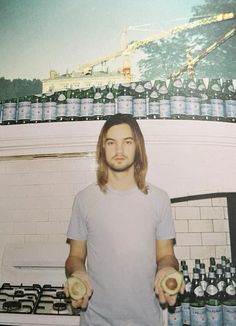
[{"x": 201, "y": 99}]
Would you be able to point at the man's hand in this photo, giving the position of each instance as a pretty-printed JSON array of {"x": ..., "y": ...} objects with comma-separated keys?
[
  {"x": 164, "y": 297},
  {"x": 83, "y": 302}
]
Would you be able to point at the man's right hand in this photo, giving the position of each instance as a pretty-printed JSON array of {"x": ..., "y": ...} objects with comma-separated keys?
[{"x": 83, "y": 302}]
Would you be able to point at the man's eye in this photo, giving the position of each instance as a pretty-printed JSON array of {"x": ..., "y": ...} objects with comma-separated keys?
[
  {"x": 109, "y": 143},
  {"x": 129, "y": 142}
]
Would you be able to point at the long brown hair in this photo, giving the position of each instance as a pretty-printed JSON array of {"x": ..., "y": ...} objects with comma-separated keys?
[{"x": 140, "y": 161}]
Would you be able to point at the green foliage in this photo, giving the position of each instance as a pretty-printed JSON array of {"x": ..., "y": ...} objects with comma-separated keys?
[
  {"x": 166, "y": 56},
  {"x": 19, "y": 87}
]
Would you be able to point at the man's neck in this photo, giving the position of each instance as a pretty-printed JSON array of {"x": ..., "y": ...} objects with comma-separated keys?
[{"x": 121, "y": 180}]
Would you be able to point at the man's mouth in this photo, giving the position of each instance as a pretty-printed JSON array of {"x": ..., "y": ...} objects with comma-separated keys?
[{"x": 118, "y": 158}]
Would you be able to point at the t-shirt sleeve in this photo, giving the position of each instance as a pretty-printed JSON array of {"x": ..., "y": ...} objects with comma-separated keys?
[
  {"x": 77, "y": 229},
  {"x": 165, "y": 228}
]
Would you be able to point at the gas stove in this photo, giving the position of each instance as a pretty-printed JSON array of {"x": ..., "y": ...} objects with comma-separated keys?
[
  {"x": 35, "y": 299},
  {"x": 29, "y": 303},
  {"x": 31, "y": 287}
]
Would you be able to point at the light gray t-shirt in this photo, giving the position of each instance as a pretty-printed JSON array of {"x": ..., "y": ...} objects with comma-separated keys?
[{"x": 121, "y": 228}]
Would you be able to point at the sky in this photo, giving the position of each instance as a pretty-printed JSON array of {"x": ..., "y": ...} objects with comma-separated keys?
[{"x": 39, "y": 35}]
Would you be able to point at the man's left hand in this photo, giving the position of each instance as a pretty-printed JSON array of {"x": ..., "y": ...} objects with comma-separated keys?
[{"x": 164, "y": 297}]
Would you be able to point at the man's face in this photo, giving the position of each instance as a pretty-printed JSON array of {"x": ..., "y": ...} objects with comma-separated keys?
[{"x": 119, "y": 148}]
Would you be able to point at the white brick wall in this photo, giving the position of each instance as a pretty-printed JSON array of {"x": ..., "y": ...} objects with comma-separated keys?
[
  {"x": 36, "y": 197},
  {"x": 202, "y": 229},
  {"x": 185, "y": 158}
]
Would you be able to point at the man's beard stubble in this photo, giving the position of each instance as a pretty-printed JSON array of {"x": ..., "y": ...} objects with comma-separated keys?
[{"x": 119, "y": 169}]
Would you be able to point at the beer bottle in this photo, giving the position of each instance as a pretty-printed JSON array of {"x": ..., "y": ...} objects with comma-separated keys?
[
  {"x": 175, "y": 313},
  {"x": 132, "y": 87},
  {"x": 229, "y": 300},
  {"x": 125, "y": 99},
  {"x": 177, "y": 98},
  {"x": 197, "y": 263},
  {"x": 73, "y": 104},
  {"x": 229, "y": 97},
  {"x": 233, "y": 274},
  {"x": 24, "y": 109},
  {"x": 192, "y": 99},
  {"x": 148, "y": 89},
  {"x": 203, "y": 276},
  {"x": 98, "y": 103},
  {"x": 109, "y": 105},
  {"x": 220, "y": 282},
  {"x": 36, "y": 114},
  {"x": 115, "y": 91},
  {"x": 1, "y": 107},
  {"x": 139, "y": 101},
  {"x": 61, "y": 105},
  {"x": 213, "y": 304},
  {"x": 227, "y": 262},
  {"x": 223, "y": 263},
  {"x": 182, "y": 264},
  {"x": 164, "y": 100},
  {"x": 197, "y": 301},
  {"x": 86, "y": 108},
  {"x": 205, "y": 105},
  {"x": 216, "y": 99},
  {"x": 213, "y": 263},
  {"x": 153, "y": 110},
  {"x": 9, "y": 111},
  {"x": 49, "y": 107},
  {"x": 186, "y": 296}
]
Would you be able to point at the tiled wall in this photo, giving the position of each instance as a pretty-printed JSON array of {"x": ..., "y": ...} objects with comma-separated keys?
[
  {"x": 36, "y": 197},
  {"x": 202, "y": 229}
]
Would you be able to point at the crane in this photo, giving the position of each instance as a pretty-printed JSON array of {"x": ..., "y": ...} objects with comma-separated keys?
[
  {"x": 191, "y": 62},
  {"x": 128, "y": 49}
]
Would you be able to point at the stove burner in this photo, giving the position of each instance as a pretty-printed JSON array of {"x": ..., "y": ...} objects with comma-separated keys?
[
  {"x": 19, "y": 293},
  {"x": 59, "y": 306},
  {"x": 11, "y": 305},
  {"x": 60, "y": 295}
]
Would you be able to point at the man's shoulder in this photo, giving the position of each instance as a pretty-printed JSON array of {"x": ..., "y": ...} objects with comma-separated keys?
[
  {"x": 157, "y": 191},
  {"x": 88, "y": 190}
]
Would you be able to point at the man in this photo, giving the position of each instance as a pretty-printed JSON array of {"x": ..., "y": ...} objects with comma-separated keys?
[{"x": 121, "y": 229}]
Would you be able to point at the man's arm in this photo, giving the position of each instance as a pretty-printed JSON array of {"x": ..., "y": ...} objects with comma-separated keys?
[
  {"x": 165, "y": 254},
  {"x": 75, "y": 265},
  {"x": 166, "y": 263},
  {"x": 77, "y": 256}
]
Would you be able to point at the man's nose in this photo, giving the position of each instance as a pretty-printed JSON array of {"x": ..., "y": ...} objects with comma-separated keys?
[{"x": 119, "y": 147}]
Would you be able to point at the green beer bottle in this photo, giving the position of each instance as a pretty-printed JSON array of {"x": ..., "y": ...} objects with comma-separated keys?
[
  {"x": 177, "y": 98},
  {"x": 139, "y": 101},
  {"x": 125, "y": 99},
  {"x": 229, "y": 97},
  {"x": 229, "y": 300},
  {"x": 24, "y": 109},
  {"x": 216, "y": 98},
  {"x": 175, "y": 313},
  {"x": 197, "y": 301},
  {"x": 36, "y": 114},
  {"x": 61, "y": 105},
  {"x": 109, "y": 105},
  {"x": 213, "y": 304},
  {"x": 86, "y": 108},
  {"x": 186, "y": 296},
  {"x": 9, "y": 111},
  {"x": 98, "y": 104},
  {"x": 73, "y": 104},
  {"x": 153, "y": 108},
  {"x": 203, "y": 276}
]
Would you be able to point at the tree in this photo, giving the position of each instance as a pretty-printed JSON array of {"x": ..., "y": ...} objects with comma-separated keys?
[
  {"x": 19, "y": 87},
  {"x": 166, "y": 56}
]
